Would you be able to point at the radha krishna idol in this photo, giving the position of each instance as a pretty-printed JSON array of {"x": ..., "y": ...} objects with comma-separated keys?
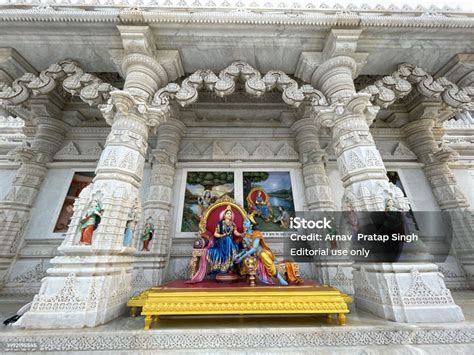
[
  {"x": 254, "y": 245},
  {"x": 221, "y": 255},
  {"x": 226, "y": 243}
]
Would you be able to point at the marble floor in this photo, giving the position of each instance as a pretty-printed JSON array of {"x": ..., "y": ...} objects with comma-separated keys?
[{"x": 364, "y": 334}]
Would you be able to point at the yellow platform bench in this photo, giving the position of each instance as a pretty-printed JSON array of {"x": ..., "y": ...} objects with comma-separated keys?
[{"x": 301, "y": 299}]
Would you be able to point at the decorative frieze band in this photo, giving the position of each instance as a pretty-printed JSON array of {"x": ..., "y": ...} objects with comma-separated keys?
[
  {"x": 237, "y": 12},
  {"x": 240, "y": 151}
]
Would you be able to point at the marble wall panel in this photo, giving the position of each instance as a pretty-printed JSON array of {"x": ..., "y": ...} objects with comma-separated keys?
[
  {"x": 6, "y": 178},
  {"x": 465, "y": 179}
]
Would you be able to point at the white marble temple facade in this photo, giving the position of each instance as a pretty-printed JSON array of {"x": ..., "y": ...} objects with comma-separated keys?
[{"x": 318, "y": 92}]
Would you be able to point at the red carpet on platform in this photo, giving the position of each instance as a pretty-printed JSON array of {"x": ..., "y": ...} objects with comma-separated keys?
[{"x": 211, "y": 283}]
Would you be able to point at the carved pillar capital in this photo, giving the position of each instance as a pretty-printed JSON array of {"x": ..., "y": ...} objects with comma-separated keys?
[
  {"x": 333, "y": 70},
  {"x": 420, "y": 138},
  {"x": 144, "y": 75},
  {"x": 334, "y": 77}
]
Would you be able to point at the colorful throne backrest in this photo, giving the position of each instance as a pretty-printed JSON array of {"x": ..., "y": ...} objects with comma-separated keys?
[{"x": 214, "y": 214}]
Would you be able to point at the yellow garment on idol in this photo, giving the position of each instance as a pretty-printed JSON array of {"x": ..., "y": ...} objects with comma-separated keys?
[
  {"x": 265, "y": 254},
  {"x": 267, "y": 262}
]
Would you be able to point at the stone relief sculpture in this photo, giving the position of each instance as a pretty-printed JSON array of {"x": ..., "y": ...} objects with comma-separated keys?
[
  {"x": 90, "y": 221},
  {"x": 132, "y": 220},
  {"x": 147, "y": 234}
]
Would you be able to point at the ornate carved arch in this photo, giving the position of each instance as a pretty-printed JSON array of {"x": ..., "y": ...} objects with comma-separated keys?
[{"x": 224, "y": 84}]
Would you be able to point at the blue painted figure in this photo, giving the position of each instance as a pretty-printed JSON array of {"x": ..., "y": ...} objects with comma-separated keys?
[
  {"x": 254, "y": 244},
  {"x": 130, "y": 226},
  {"x": 262, "y": 207}
]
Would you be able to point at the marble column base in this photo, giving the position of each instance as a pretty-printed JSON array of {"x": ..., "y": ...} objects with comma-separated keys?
[
  {"x": 335, "y": 273},
  {"x": 81, "y": 291},
  {"x": 148, "y": 270},
  {"x": 466, "y": 260},
  {"x": 404, "y": 292}
]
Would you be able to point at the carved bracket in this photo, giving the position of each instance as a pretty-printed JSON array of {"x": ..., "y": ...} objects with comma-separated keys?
[
  {"x": 358, "y": 103},
  {"x": 400, "y": 83},
  {"x": 126, "y": 103},
  {"x": 67, "y": 73}
]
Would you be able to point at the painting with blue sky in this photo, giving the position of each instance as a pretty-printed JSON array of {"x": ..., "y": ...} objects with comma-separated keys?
[{"x": 277, "y": 184}]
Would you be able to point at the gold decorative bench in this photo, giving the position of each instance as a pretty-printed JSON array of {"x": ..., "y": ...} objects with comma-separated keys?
[
  {"x": 136, "y": 302},
  {"x": 301, "y": 299}
]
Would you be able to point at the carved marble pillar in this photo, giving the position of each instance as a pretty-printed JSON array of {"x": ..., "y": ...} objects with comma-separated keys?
[
  {"x": 90, "y": 284},
  {"x": 317, "y": 190},
  {"x": 403, "y": 292},
  {"x": 16, "y": 207},
  {"x": 362, "y": 171},
  {"x": 46, "y": 139},
  {"x": 424, "y": 140},
  {"x": 335, "y": 272},
  {"x": 151, "y": 265}
]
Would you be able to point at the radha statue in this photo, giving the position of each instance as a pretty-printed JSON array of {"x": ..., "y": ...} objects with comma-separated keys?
[{"x": 220, "y": 256}]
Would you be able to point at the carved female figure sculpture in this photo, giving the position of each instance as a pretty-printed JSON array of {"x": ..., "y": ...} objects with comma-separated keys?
[
  {"x": 147, "y": 235},
  {"x": 222, "y": 253},
  {"x": 254, "y": 244},
  {"x": 90, "y": 221},
  {"x": 390, "y": 205},
  {"x": 132, "y": 220}
]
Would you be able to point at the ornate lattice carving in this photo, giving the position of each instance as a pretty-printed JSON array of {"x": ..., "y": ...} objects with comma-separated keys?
[
  {"x": 364, "y": 289},
  {"x": 66, "y": 300},
  {"x": 420, "y": 293},
  {"x": 340, "y": 279},
  {"x": 33, "y": 275},
  {"x": 68, "y": 150}
]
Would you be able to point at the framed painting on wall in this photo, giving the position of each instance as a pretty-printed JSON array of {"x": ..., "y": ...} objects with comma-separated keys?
[
  {"x": 202, "y": 189},
  {"x": 269, "y": 197}
]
